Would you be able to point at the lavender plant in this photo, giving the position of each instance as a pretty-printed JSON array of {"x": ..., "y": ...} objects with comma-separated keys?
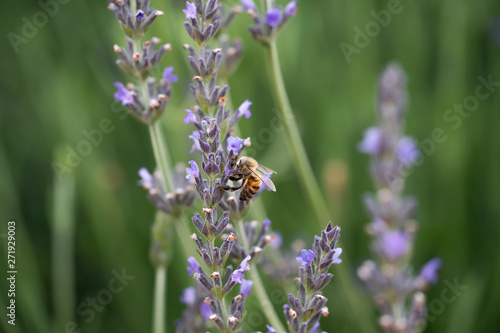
[
  {"x": 397, "y": 292},
  {"x": 214, "y": 123}
]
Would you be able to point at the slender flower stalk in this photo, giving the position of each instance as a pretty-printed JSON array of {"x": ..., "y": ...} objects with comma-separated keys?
[
  {"x": 265, "y": 30},
  {"x": 398, "y": 294}
]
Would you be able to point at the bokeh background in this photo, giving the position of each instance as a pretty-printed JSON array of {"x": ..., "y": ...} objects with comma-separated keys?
[{"x": 60, "y": 83}]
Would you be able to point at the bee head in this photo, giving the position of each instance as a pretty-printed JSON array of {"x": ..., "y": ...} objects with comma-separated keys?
[{"x": 232, "y": 162}]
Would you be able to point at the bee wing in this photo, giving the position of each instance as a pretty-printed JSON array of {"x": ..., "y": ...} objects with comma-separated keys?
[
  {"x": 266, "y": 169},
  {"x": 266, "y": 180}
]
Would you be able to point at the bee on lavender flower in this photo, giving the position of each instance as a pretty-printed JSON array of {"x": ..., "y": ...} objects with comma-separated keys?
[{"x": 252, "y": 175}]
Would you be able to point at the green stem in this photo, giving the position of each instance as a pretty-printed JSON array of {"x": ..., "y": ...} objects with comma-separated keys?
[
  {"x": 159, "y": 304},
  {"x": 161, "y": 153},
  {"x": 360, "y": 309},
  {"x": 265, "y": 303},
  {"x": 294, "y": 141}
]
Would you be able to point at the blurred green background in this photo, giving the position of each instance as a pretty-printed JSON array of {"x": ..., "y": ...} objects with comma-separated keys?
[{"x": 60, "y": 83}]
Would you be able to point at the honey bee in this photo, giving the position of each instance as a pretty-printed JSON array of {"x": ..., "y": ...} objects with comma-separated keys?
[{"x": 251, "y": 175}]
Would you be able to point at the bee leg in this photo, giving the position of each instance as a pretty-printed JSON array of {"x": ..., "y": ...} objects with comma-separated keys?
[{"x": 231, "y": 189}]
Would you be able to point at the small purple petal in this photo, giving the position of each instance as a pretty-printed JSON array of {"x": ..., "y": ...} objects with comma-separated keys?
[
  {"x": 146, "y": 177},
  {"x": 193, "y": 266},
  {"x": 140, "y": 15},
  {"x": 237, "y": 276},
  {"x": 372, "y": 141},
  {"x": 394, "y": 244},
  {"x": 244, "y": 266},
  {"x": 168, "y": 74},
  {"x": 194, "y": 171},
  {"x": 273, "y": 17},
  {"x": 429, "y": 271},
  {"x": 196, "y": 141},
  {"x": 190, "y": 10},
  {"x": 234, "y": 144},
  {"x": 123, "y": 94},
  {"x": 407, "y": 151},
  {"x": 248, "y": 4},
  {"x": 306, "y": 257},
  {"x": 246, "y": 287},
  {"x": 336, "y": 255},
  {"x": 188, "y": 296},
  {"x": 291, "y": 8},
  {"x": 270, "y": 329},
  {"x": 190, "y": 117},
  {"x": 205, "y": 310},
  {"x": 244, "y": 110}
]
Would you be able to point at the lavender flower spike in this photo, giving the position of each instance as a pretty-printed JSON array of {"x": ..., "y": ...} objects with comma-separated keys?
[{"x": 393, "y": 231}]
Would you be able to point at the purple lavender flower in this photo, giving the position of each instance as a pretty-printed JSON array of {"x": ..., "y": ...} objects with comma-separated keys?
[
  {"x": 123, "y": 94},
  {"x": 273, "y": 17},
  {"x": 196, "y": 141},
  {"x": 246, "y": 287},
  {"x": 193, "y": 171},
  {"x": 146, "y": 178},
  {"x": 190, "y": 10},
  {"x": 429, "y": 271},
  {"x": 244, "y": 110},
  {"x": 336, "y": 255},
  {"x": 394, "y": 244},
  {"x": 168, "y": 74},
  {"x": 306, "y": 257},
  {"x": 234, "y": 144},
  {"x": 407, "y": 151},
  {"x": 205, "y": 310},
  {"x": 194, "y": 267},
  {"x": 248, "y": 4},
  {"x": 291, "y": 8},
  {"x": 244, "y": 266},
  {"x": 188, "y": 296},
  {"x": 276, "y": 241},
  {"x": 190, "y": 117},
  {"x": 237, "y": 276},
  {"x": 270, "y": 329},
  {"x": 140, "y": 15},
  {"x": 372, "y": 141}
]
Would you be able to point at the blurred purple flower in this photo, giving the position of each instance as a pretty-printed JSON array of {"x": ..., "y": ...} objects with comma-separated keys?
[
  {"x": 196, "y": 141},
  {"x": 237, "y": 276},
  {"x": 277, "y": 240},
  {"x": 246, "y": 287},
  {"x": 429, "y": 271},
  {"x": 188, "y": 296},
  {"x": 291, "y": 8},
  {"x": 168, "y": 74},
  {"x": 306, "y": 257},
  {"x": 248, "y": 4},
  {"x": 407, "y": 151},
  {"x": 193, "y": 266},
  {"x": 336, "y": 255},
  {"x": 190, "y": 10},
  {"x": 394, "y": 244},
  {"x": 193, "y": 171},
  {"x": 273, "y": 17},
  {"x": 146, "y": 178},
  {"x": 123, "y": 94},
  {"x": 234, "y": 144},
  {"x": 190, "y": 117},
  {"x": 244, "y": 110},
  {"x": 244, "y": 266},
  {"x": 140, "y": 15},
  {"x": 270, "y": 329},
  {"x": 372, "y": 141},
  {"x": 205, "y": 310}
]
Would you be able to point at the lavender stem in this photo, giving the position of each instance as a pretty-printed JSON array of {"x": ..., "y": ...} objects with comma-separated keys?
[{"x": 159, "y": 304}]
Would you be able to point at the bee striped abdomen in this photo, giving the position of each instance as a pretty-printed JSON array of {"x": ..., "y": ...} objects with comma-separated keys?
[{"x": 250, "y": 188}]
